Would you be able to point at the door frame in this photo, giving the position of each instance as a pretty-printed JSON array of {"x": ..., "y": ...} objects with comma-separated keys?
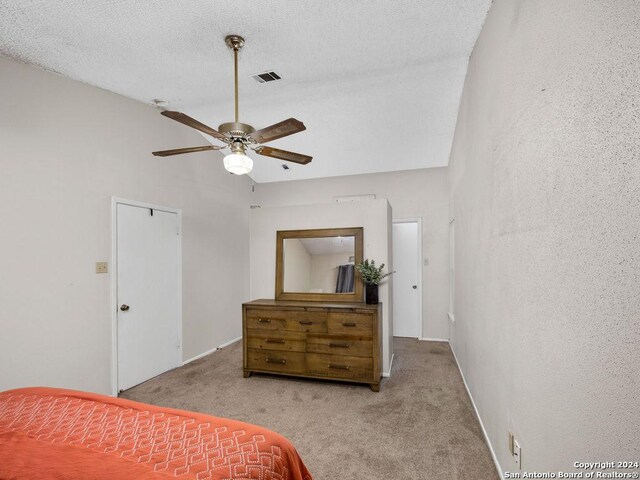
[
  {"x": 115, "y": 201},
  {"x": 417, "y": 220}
]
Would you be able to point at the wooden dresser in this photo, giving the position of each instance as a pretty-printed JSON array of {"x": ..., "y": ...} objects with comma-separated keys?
[{"x": 338, "y": 341}]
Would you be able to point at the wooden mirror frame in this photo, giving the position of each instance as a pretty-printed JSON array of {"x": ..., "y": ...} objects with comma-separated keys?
[{"x": 355, "y": 297}]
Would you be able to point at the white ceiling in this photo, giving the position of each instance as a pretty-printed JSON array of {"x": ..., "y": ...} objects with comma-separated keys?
[
  {"x": 376, "y": 82},
  {"x": 329, "y": 245}
]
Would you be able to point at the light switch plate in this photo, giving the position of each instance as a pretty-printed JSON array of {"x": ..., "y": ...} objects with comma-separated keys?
[
  {"x": 517, "y": 453},
  {"x": 102, "y": 267}
]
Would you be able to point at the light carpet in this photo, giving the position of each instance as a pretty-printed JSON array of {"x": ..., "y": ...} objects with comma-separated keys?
[{"x": 421, "y": 425}]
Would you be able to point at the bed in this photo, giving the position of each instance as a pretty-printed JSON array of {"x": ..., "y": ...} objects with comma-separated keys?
[{"x": 48, "y": 433}]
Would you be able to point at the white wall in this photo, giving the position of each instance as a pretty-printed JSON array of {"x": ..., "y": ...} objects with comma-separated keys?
[
  {"x": 545, "y": 192},
  {"x": 412, "y": 194},
  {"x": 65, "y": 149},
  {"x": 373, "y": 215},
  {"x": 324, "y": 270},
  {"x": 297, "y": 266}
]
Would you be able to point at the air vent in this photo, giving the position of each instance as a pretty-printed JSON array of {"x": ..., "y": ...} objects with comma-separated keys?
[{"x": 266, "y": 77}]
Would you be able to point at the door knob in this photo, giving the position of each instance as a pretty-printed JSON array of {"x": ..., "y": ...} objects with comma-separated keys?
[
  {"x": 415, "y": 287},
  {"x": 124, "y": 307}
]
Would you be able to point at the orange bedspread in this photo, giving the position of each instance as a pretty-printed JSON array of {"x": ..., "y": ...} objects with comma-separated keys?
[{"x": 48, "y": 433}]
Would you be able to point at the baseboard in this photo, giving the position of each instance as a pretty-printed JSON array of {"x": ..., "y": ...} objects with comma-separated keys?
[
  {"x": 484, "y": 431},
  {"x": 388, "y": 374},
  {"x": 237, "y": 339},
  {"x": 427, "y": 339},
  {"x": 208, "y": 352}
]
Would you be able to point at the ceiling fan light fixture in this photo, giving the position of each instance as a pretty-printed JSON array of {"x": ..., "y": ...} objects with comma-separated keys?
[{"x": 238, "y": 163}]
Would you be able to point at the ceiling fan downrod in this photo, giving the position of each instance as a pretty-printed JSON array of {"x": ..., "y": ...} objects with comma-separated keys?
[{"x": 235, "y": 43}]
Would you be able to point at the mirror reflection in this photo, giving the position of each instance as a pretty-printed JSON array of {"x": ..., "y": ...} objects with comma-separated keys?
[{"x": 319, "y": 265}]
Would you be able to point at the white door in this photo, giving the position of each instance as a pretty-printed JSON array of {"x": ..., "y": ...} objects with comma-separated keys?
[
  {"x": 148, "y": 293},
  {"x": 407, "y": 289}
]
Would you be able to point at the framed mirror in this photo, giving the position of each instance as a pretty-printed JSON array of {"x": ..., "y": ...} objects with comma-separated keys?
[{"x": 318, "y": 265}]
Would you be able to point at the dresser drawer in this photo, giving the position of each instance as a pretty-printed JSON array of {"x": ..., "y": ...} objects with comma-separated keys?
[
  {"x": 350, "y": 323},
  {"x": 292, "y": 320},
  {"x": 266, "y": 319},
  {"x": 339, "y": 366},
  {"x": 275, "y": 361},
  {"x": 312, "y": 322},
  {"x": 276, "y": 340},
  {"x": 340, "y": 345}
]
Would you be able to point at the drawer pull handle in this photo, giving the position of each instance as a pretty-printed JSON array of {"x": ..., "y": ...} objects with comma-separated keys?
[
  {"x": 305, "y": 322},
  {"x": 338, "y": 366},
  {"x": 275, "y": 340},
  {"x": 275, "y": 360},
  {"x": 339, "y": 345},
  {"x": 348, "y": 324},
  {"x": 264, "y": 320}
]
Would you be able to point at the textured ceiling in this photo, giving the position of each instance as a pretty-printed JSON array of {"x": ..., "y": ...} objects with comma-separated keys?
[{"x": 377, "y": 83}]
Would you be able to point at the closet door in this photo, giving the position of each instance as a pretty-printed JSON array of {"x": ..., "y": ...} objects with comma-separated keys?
[
  {"x": 148, "y": 293},
  {"x": 407, "y": 289}
]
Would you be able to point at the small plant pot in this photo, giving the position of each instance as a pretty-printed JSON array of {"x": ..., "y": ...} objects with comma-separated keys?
[{"x": 371, "y": 294}]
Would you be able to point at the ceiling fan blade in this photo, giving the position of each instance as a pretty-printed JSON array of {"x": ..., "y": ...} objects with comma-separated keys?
[
  {"x": 193, "y": 123},
  {"x": 284, "y": 155},
  {"x": 278, "y": 130},
  {"x": 178, "y": 151}
]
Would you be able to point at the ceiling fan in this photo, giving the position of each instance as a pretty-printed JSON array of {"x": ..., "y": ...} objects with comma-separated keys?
[{"x": 240, "y": 136}]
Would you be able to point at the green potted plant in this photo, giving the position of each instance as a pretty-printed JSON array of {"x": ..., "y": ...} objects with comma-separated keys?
[{"x": 372, "y": 277}]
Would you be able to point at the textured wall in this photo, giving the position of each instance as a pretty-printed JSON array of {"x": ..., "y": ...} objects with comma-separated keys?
[
  {"x": 65, "y": 149},
  {"x": 415, "y": 193},
  {"x": 545, "y": 192}
]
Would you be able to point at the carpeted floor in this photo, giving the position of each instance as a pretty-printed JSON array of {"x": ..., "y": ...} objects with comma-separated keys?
[{"x": 421, "y": 424}]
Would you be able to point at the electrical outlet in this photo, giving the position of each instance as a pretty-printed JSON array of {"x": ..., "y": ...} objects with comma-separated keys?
[
  {"x": 517, "y": 453},
  {"x": 102, "y": 267}
]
